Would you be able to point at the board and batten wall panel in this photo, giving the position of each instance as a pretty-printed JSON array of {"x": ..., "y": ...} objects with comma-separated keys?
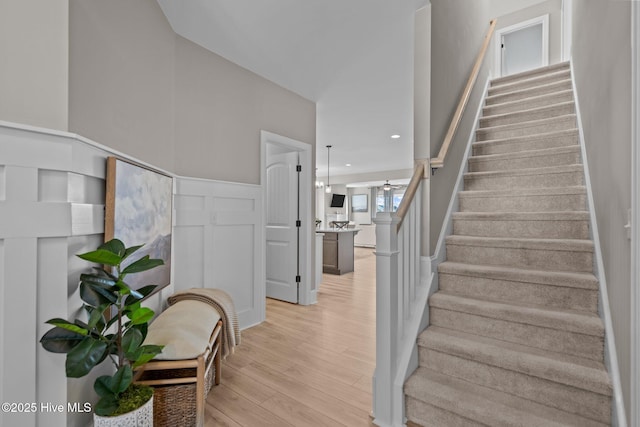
[
  {"x": 217, "y": 235},
  {"x": 51, "y": 208}
]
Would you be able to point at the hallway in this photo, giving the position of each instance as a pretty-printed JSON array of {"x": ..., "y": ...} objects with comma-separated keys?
[{"x": 305, "y": 365}]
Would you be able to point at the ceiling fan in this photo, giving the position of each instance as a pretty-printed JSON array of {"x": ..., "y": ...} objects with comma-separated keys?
[{"x": 387, "y": 186}]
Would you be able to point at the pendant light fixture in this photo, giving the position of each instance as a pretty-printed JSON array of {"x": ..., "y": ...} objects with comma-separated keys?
[{"x": 327, "y": 189}]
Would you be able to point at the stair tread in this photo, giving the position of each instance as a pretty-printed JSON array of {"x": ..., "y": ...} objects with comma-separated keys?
[
  {"x": 554, "y": 318},
  {"x": 523, "y": 192},
  {"x": 533, "y": 80},
  {"x": 538, "y": 71},
  {"x": 574, "y": 245},
  {"x": 529, "y": 171},
  {"x": 526, "y": 91},
  {"x": 532, "y": 98},
  {"x": 526, "y": 124},
  {"x": 562, "y": 368},
  {"x": 526, "y": 154},
  {"x": 528, "y": 138},
  {"x": 524, "y": 216},
  {"x": 527, "y": 111},
  {"x": 542, "y": 277},
  {"x": 485, "y": 405}
]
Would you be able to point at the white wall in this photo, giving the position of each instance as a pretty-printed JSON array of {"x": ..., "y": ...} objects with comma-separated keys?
[
  {"x": 52, "y": 207},
  {"x": 219, "y": 242},
  {"x": 34, "y": 47}
]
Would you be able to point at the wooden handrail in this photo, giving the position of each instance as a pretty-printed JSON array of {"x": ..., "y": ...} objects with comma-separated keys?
[
  {"x": 418, "y": 174},
  {"x": 438, "y": 162}
]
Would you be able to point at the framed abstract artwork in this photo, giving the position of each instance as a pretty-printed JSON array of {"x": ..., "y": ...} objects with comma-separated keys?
[
  {"x": 138, "y": 211},
  {"x": 359, "y": 203}
]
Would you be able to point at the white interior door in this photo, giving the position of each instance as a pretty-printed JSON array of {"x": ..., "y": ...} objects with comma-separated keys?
[
  {"x": 282, "y": 232},
  {"x": 524, "y": 46}
]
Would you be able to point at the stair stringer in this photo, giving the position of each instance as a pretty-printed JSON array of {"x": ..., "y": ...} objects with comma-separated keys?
[{"x": 618, "y": 414}]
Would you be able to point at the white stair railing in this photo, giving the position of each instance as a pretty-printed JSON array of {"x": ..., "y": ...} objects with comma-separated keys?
[{"x": 398, "y": 282}]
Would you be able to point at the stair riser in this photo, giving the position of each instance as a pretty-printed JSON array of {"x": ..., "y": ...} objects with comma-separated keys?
[
  {"x": 546, "y": 203},
  {"x": 527, "y": 129},
  {"x": 524, "y": 229},
  {"x": 571, "y": 399},
  {"x": 431, "y": 416},
  {"x": 526, "y": 144},
  {"x": 520, "y": 292},
  {"x": 505, "y": 182},
  {"x": 553, "y": 260},
  {"x": 571, "y": 343},
  {"x": 555, "y": 159},
  {"x": 535, "y": 102},
  {"x": 529, "y": 93},
  {"x": 525, "y": 116},
  {"x": 531, "y": 82}
]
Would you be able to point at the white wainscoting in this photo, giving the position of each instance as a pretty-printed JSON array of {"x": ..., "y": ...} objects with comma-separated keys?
[
  {"x": 51, "y": 208},
  {"x": 219, "y": 242}
]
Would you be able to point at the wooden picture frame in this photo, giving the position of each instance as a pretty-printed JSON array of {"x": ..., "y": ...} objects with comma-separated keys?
[{"x": 138, "y": 210}]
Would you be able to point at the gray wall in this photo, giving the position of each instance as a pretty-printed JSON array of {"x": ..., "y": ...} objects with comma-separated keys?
[
  {"x": 551, "y": 7},
  {"x": 34, "y": 61},
  {"x": 139, "y": 88},
  {"x": 601, "y": 56},
  {"x": 458, "y": 29}
]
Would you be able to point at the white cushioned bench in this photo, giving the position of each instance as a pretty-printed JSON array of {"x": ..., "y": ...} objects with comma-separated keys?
[{"x": 189, "y": 364}]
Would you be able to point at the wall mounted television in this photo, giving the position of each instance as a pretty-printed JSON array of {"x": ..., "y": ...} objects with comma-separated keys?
[{"x": 337, "y": 200}]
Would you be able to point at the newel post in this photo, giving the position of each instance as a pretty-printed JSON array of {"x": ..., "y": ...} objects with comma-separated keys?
[{"x": 386, "y": 316}]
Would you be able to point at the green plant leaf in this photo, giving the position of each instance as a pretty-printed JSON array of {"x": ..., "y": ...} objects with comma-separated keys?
[
  {"x": 114, "y": 246},
  {"x": 141, "y": 315},
  {"x": 102, "y": 386},
  {"x": 146, "y": 353},
  {"x": 143, "y": 328},
  {"x": 101, "y": 272},
  {"x": 95, "y": 295},
  {"x": 144, "y": 291},
  {"x": 84, "y": 356},
  {"x": 143, "y": 264},
  {"x": 130, "y": 250},
  {"x": 106, "y": 406},
  {"x": 131, "y": 341},
  {"x": 64, "y": 324},
  {"x": 121, "y": 379},
  {"x": 96, "y": 317},
  {"x": 59, "y": 340},
  {"x": 102, "y": 256},
  {"x": 96, "y": 279}
]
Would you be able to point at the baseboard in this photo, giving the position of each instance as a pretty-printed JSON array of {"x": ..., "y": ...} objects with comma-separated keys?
[{"x": 618, "y": 414}]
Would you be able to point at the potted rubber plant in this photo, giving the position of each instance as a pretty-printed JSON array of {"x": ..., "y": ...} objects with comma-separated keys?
[{"x": 114, "y": 328}]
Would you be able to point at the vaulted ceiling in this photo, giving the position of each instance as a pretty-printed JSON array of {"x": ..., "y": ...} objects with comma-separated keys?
[{"x": 354, "y": 58}]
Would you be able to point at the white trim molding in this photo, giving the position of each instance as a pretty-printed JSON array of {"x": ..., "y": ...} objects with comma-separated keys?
[
  {"x": 497, "y": 40},
  {"x": 634, "y": 219}
]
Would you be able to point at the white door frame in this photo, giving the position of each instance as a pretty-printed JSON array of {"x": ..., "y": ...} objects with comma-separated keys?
[
  {"x": 567, "y": 29},
  {"x": 307, "y": 290},
  {"x": 634, "y": 220},
  {"x": 543, "y": 19}
]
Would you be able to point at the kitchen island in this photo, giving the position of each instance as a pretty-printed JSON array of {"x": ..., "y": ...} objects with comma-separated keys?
[{"x": 337, "y": 249}]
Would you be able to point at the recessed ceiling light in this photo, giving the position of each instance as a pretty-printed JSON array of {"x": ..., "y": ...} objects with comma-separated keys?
[
  {"x": 348, "y": 164},
  {"x": 395, "y": 136}
]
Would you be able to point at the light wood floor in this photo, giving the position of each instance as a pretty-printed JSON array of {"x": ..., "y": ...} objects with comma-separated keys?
[{"x": 305, "y": 365}]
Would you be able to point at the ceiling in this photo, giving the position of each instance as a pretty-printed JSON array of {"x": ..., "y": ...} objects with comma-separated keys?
[{"x": 354, "y": 58}]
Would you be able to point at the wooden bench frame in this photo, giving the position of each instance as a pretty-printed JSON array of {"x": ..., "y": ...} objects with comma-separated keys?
[{"x": 211, "y": 357}]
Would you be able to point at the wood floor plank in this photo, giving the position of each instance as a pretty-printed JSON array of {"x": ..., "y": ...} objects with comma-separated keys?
[
  {"x": 298, "y": 414},
  {"x": 242, "y": 410},
  {"x": 305, "y": 365}
]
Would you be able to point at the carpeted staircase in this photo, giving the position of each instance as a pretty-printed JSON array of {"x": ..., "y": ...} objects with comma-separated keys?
[{"x": 515, "y": 338}]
